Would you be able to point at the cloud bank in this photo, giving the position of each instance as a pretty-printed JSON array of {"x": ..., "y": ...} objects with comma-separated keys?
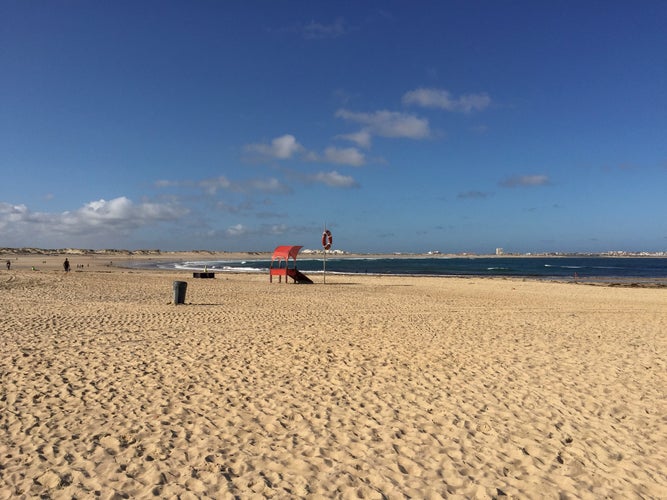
[{"x": 97, "y": 220}]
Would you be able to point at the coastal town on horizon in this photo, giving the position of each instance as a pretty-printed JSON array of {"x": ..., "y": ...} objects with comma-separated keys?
[{"x": 499, "y": 252}]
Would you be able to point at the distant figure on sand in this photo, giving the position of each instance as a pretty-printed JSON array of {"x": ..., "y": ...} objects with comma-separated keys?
[
  {"x": 66, "y": 265},
  {"x": 9, "y": 265}
]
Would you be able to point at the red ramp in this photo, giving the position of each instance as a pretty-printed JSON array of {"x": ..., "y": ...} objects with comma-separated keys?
[{"x": 298, "y": 276}]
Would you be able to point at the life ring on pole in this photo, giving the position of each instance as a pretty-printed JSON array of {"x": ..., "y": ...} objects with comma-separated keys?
[{"x": 327, "y": 239}]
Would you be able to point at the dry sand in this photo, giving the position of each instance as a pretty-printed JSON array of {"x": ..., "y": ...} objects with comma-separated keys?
[{"x": 366, "y": 387}]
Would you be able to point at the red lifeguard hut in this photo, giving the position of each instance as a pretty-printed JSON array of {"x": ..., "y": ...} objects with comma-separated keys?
[{"x": 280, "y": 265}]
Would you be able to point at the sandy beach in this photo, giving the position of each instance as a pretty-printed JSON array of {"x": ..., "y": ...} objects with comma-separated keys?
[{"x": 363, "y": 387}]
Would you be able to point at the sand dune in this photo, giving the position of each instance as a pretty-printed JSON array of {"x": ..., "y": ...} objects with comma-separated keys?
[{"x": 365, "y": 387}]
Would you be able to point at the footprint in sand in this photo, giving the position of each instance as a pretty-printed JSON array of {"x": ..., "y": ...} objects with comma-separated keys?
[
  {"x": 111, "y": 444},
  {"x": 484, "y": 428},
  {"x": 49, "y": 479},
  {"x": 406, "y": 466}
]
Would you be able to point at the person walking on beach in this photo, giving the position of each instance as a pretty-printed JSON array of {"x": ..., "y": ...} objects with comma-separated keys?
[
  {"x": 9, "y": 264},
  {"x": 66, "y": 265}
]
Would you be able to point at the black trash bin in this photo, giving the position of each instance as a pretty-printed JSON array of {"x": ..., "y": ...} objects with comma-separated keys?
[{"x": 179, "y": 292}]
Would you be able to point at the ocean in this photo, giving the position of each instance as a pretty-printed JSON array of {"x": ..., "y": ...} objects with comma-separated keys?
[{"x": 582, "y": 268}]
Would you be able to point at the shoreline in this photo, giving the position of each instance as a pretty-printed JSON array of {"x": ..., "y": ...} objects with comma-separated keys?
[{"x": 106, "y": 262}]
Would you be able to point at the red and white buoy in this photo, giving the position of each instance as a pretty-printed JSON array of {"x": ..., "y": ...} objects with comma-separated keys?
[{"x": 327, "y": 241}]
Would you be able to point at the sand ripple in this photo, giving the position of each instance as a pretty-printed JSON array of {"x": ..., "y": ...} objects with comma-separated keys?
[{"x": 363, "y": 388}]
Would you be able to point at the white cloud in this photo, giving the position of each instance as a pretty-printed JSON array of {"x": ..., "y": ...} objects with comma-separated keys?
[
  {"x": 8, "y": 210},
  {"x": 278, "y": 229},
  {"x": 120, "y": 212},
  {"x": 470, "y": 195},
  {"x": 341, "y": 156},
  {"x": 164, "y": 183},
  {"x": 315, "y": 30},
  {"x": 389, "y": 123},
  {"x": 281, "y": 148},
  {"x": 244, "y": 206},
  {"x": 361, "y": 138},
  {"x": 525, "y": 180},
  {"x": 240, "y": 230},
  {"x": 268, "y": 185},
  {"x": 237, "y": 230},
  {"x": 271, "y": 185},
  {"x": 334, "y": 179},
  {"x": 96, "y": 221},
  {"x": 311, "y": 156},
  {"x": 215, "y": 184},
  {"x": 211, "y": 186},
  {"x": 442, "y": 99},
  {"x": 345, "y": 156}
]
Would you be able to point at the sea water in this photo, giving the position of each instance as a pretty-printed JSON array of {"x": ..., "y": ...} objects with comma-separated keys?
[{"x": 645, "y": 268}]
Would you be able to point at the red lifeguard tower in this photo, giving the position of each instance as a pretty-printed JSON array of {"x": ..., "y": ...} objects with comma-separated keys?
[{"x": 280, "y": 265}]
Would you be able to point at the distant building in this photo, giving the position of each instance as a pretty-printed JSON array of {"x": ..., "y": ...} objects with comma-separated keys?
[{"x": 499, "y": 251}]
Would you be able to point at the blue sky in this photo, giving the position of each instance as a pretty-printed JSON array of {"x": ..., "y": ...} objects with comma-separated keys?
[{"x": 404, "y": 126}]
